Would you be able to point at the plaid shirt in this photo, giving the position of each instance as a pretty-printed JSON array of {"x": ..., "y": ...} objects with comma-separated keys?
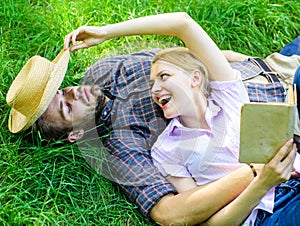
[
  {"x": 259, "y": 92},
  {"x": 134, "y": 121}
]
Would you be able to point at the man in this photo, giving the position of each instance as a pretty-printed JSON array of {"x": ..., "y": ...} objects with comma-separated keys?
[{"x": 129, "y": 116}]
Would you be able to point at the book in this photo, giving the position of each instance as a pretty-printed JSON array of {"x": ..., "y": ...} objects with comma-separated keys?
[{"x": 264, "y": 128}]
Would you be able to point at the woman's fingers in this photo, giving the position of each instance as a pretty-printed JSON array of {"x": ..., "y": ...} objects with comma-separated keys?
[
  {"x": 280, "y": 168},
  {"x": 72, "y": 38},
  {"x": 282, "y": 163},
  {"x": 282, "y": 153},
  {"x": 88, "y": 35},
  {"x": 288, "y": 162},
  {"x": 78, "y": 46},
  {"x": 67, "y": 41}
]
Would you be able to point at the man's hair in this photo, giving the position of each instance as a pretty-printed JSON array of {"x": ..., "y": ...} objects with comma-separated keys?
[
  {"x": 49, "y": 130},
  {"x": 183, "y": 58}
]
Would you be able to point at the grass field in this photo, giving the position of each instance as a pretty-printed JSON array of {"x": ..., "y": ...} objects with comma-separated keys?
[{"x": 50, "y": 183}]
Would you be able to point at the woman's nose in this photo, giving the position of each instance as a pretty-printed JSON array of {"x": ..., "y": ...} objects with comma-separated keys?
[{"x": 155, "y": 88}]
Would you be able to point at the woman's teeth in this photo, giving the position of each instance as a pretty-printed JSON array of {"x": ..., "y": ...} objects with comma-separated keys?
[{"x": 164, "y": 99}]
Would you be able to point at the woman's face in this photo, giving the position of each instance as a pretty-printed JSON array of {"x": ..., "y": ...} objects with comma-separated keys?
[{"x": 171, "y": 89}]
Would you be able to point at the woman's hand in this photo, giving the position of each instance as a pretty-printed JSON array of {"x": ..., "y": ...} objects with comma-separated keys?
[
  {"x": 88, "y": 35},
  {"x": 280, "y": 168},
  {"x": 295, "y": 173},
  {"x": 276, "y": 171}
]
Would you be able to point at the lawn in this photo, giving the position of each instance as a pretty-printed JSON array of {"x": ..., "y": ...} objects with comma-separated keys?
[{"x": 45, "y": 183}]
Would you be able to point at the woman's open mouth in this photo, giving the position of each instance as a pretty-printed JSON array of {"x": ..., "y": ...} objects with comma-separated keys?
[{"x": 164, "y": 100}]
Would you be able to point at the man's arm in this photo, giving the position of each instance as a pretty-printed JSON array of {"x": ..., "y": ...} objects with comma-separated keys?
[
  {"x": 182, "y": 184},
  {"x": 197, "y": 205},
  {"x": 232, "y": 56}
]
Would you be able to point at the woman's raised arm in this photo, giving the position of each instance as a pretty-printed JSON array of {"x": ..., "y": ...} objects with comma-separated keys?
[{"x": 173, "y": 24}]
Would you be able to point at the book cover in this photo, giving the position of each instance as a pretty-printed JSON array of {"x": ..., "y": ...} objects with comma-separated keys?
[{"x": 265, "y": 127}]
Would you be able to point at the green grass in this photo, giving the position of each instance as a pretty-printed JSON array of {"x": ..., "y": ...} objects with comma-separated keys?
[{"x": 51, "y": 184}]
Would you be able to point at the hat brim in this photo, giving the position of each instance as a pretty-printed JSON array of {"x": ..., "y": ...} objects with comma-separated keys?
[{"x": 17, "y": 122}]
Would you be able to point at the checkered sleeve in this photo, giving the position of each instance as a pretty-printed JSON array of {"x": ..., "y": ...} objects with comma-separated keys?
[
  {"x": 272, "y": 91},
  {"x": 134, "y": 171},
  {"x": 134, "y": 121}
]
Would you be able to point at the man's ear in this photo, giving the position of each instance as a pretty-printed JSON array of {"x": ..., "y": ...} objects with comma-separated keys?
[
  {"x": 75, "y": 135},
  {"x": 197, "y": 77}
]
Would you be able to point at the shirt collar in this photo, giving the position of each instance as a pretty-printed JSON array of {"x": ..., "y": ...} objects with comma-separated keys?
[
  {"x": 176, "y": 126},
  {"x": 212, "y": 111}
]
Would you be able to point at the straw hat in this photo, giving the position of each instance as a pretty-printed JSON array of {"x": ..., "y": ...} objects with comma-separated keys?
[{"x": 33, "y": 89}]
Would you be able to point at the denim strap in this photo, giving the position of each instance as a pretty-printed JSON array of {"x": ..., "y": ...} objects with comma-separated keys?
[{"x": 269, "y": 74}]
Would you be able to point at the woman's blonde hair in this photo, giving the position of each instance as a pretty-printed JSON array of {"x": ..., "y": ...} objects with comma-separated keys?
[{"x": 183, "y": 58}]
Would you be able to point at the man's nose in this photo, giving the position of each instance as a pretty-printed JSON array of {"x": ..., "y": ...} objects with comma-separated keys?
[{"x": 71, "y": 93}]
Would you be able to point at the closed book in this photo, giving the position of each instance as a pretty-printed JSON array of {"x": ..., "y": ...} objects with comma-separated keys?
[{"x": 265, "y": 127}]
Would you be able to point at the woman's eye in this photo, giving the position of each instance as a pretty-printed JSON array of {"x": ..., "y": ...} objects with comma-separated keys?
[
  {"x": 164, "y": 76},
  {"x": 63, "y": 92}
]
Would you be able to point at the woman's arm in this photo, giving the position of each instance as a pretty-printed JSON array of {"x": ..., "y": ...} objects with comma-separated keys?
[
  {"x": 173, "y": 24},
  {"x": 198, "y": 204},
  {"x": 229, "y": 200},
  {"x": 276, "y": 171}
]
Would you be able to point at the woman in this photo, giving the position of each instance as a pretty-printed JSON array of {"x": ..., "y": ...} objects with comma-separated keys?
[
  {"x": 201, "y": 143},
  {"x": 183, "y": 93}
]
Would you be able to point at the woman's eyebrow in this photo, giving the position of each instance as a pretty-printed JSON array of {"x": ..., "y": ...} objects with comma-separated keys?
[{"x": 161, "y": 72}]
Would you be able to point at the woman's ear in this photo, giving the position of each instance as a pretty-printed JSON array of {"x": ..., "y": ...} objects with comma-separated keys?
[
  {"x": 197, "y": 77},
  {"x": 75, "y": 135}
]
